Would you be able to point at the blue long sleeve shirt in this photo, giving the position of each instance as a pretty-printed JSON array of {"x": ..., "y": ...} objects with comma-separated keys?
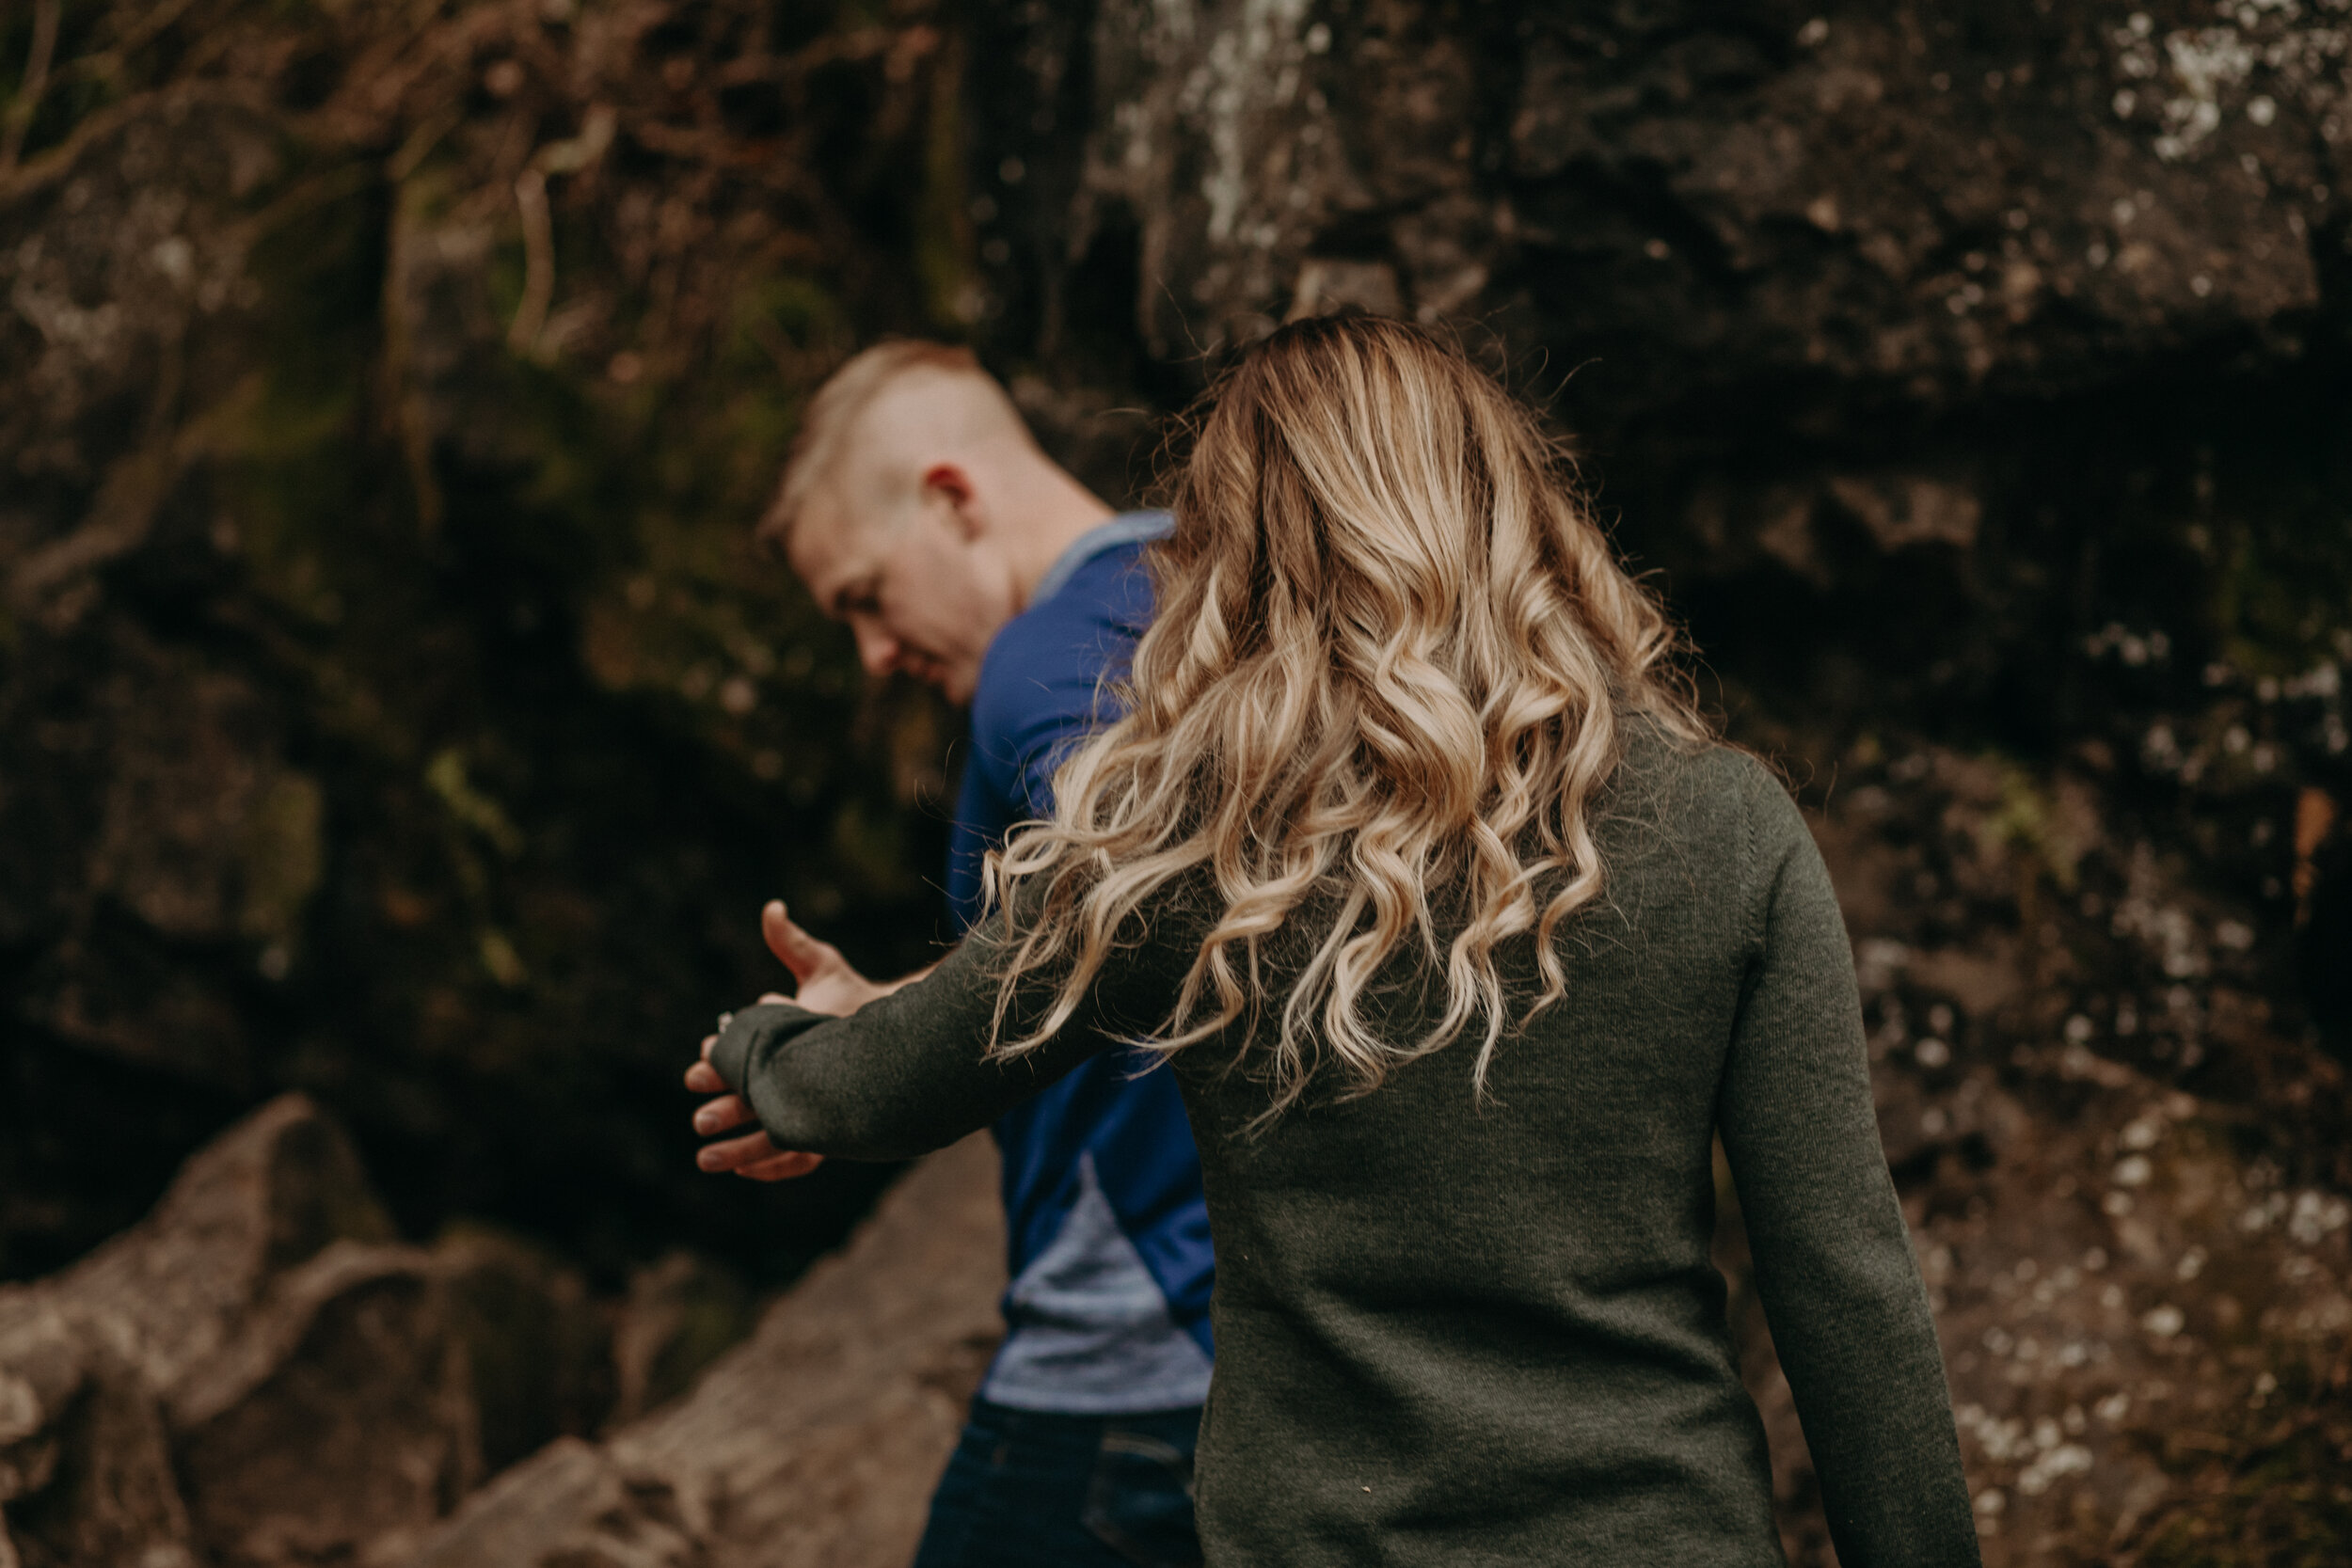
[{"x": 1108, "y": 1308}]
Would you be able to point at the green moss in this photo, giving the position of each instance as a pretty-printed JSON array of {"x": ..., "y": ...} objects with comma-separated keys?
[
  {"x": 710, "y": 1321},
  {"x": 501, "y": 961},
  {"x": 2028, "y": 823},
  {"x": 2283, "y": 1513},
  {"x": 445, "y": 776},
  {"x": 2283, "y": 566},
  {"x": 683, "y": 1314},
  {"x": 538, "y": 1353},
  {"x": 284, "y": 856},
  {"x": 2284, "y": 1498},
  {"x": 943, "y": 226}
]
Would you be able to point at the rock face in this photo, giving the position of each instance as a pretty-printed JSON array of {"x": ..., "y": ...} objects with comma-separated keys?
[
  {"x": 1973, "y": 372},
  {"x": 816, "y": 1441},
  {"x": 2123, "y": 1183},
  {"x": 392, "y": 704},
  {"x": 258, "y": 1373},
  {"x": 1974, "y": 380},
  {"x": 1953, "y": 340},
  {"x": 1889, "y": 205},
  {"x": 390, "y": 707}
]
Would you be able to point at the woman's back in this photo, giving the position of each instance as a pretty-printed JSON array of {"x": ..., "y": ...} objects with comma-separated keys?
[{"x": 1456, "y": 1332}]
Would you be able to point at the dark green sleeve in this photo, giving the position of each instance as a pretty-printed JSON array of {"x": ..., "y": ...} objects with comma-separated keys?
[
  {"x": 1833, "y": 1261},
  {"x": 909, "y": 1073}
]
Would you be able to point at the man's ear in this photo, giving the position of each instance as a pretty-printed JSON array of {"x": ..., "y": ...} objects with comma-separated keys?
[{"x": 950, "y": 483}]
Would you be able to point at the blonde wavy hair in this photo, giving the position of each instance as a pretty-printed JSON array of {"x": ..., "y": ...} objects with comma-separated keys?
[{"x": 1392, "y": 655}]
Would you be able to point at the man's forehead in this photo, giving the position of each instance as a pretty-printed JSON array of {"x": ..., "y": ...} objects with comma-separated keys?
[{"x": 825, "y": 547}]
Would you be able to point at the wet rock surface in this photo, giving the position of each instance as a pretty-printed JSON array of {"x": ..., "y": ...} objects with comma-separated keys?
[
  {"x": 817, "y": 1440},
  {"x": 2124, "y": 1178},
  {"x": 1974, "y": 379},
  {"x": 258, "y": 1374},
  {"x": 392, "y": 704},
  {"x": 392, "y": 710}
]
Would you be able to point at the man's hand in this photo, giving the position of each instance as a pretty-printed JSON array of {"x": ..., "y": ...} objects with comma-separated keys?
[
  {"x": 825, "y": 981},
  {"x": 755, "y": 1155},
  {"x": 825, "y": 984}
]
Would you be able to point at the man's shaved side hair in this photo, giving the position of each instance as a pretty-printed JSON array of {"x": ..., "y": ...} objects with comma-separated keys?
[{"x": 833, "y": 415}]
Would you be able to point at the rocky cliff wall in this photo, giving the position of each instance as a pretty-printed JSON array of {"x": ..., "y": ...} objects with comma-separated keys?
[
  {"x": 391, "y": 703},
  {"x": 390, "y": 706},
  {"x": 1974, "y": 380}
]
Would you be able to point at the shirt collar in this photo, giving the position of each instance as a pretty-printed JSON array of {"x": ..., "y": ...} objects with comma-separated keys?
[{"x": 1126, "y": 529}]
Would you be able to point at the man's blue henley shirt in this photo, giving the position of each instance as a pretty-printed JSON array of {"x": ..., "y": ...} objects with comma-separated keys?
[{"x": 1108, "y": 1308}]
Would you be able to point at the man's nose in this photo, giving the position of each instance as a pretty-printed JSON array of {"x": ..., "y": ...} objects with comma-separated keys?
[{"x": 877, "y": 650}]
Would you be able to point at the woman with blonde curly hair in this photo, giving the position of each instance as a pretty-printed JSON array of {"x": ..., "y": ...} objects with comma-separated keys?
[{"x": 1409, "y": 856}]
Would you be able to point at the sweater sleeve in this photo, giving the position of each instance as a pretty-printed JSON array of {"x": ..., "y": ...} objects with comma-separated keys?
[
  {"x": 909, "y": 1072},
  {"x": 1834, "y": 1260}
]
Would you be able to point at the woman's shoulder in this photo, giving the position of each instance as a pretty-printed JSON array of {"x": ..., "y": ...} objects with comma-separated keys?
[
  {"x": 1652, "y": 750},
  {"x": 1702, "y": 791}
]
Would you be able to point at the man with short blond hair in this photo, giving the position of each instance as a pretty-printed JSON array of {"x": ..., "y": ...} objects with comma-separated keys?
[
  {"x": 819, "y": 451},
  {"x": 919, "y": 509}
]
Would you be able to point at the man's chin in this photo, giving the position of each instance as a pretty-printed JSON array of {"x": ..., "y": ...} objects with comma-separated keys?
[{"x": 951, "y": 682}]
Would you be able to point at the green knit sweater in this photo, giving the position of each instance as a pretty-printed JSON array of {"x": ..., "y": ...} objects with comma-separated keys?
[{"x": 1455, "y": 1333}]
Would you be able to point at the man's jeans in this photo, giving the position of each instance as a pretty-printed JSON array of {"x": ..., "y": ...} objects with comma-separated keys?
[{"x": 1030, "y": 1490}]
